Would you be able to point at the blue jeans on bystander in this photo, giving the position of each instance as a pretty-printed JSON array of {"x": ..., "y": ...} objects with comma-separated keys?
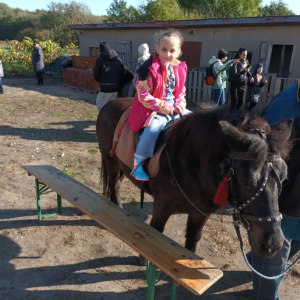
[
  {"x": 265, "y": 289},
  {"x": 1, "y": 86},
  {"x": 219, "y": 96}
]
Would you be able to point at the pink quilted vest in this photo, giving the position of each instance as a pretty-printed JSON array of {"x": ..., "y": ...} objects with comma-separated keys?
[{"x": 139, "y": 113}]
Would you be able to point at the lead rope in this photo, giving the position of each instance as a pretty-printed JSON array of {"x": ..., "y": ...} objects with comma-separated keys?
[{"x": 237, "y": 229}]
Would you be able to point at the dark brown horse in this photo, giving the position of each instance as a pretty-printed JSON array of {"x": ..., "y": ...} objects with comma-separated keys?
[{"x": 196, "y": 147}]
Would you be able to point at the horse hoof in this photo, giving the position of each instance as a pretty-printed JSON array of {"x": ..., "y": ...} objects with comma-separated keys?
[{"x": 142, "y": 260}]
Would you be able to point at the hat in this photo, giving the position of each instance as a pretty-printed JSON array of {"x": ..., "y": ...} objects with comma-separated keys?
[
  {"x": 143, "y": 49},
  {"x": 104, "y": 47}
]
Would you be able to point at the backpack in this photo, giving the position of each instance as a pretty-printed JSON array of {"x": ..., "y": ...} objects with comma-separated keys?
[{"x": 209, "y": 78}]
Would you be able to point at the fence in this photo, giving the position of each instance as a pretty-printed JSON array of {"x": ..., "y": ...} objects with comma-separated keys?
[{"x": 198, "y": 91}]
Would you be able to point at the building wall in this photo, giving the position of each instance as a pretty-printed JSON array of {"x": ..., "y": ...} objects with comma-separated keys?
[{"x": 213, "y": 39}]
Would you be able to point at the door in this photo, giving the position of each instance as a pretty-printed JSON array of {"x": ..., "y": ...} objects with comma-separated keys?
[
  {"x": 191, "y": 54},
  {"x": 124, "y": 51}
]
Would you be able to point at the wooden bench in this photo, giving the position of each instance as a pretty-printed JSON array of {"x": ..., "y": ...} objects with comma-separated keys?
[{"x": 186, "y": 268}]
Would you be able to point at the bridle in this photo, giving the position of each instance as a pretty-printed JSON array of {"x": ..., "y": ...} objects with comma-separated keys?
[{"x": 237, "y": 215}]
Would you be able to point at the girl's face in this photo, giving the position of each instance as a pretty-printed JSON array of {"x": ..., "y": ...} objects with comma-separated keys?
[
  {"x": 259, "y": 71},
  {"x": 168, "y": 49},
  {"x": 243, "y": 55},
  {"x": 224, "y": 59}
]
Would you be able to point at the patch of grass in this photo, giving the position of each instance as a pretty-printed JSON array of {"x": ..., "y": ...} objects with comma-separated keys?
[
  {"x": 5, "y": 232},
  {"x": 134, "y": 202},
  {"x": 143, "y": 279},
  {"x": 93, "y": 116},
  {"x": 32, "y": 127},
  {"x": 81, "y": 172},
  {"x": 94, "y": 151},
  {"x": 72, "y": 165},
  {"x": 123, "y": 197},
  {"x": 58, "y": 114},
  {"x": 68, "y": 172},
  {"x": 226, "y": 266}
]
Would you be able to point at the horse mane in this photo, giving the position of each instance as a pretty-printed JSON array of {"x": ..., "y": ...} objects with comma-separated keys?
[{"x": 201, "y": 132}]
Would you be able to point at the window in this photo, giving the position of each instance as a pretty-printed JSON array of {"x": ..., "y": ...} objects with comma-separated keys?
[
  {"x": 94, "y": 52},
  {"x": 280, "y": 60}
]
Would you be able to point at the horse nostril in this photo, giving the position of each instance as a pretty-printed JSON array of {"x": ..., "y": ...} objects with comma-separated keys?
[{"x": 266, "y": 249}]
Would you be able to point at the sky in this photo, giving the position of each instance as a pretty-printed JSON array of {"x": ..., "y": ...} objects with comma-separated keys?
[{"x": 99, "y": 7}]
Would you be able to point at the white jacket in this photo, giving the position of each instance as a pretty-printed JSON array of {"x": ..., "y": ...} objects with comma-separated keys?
[{"x": 1, "y": 69}]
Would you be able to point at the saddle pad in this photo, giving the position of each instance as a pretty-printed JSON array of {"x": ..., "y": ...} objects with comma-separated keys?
[{"x": 126, "y": 146}]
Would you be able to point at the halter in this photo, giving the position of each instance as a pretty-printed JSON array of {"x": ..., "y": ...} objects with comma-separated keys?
[{"x": 236, "y": 212}]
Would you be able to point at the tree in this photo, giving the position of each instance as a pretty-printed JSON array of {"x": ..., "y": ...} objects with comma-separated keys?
[
  {"x": 119, "y": 12},
  {"x": 275, "y": 8},
  {"x": 209, "y": 9}
]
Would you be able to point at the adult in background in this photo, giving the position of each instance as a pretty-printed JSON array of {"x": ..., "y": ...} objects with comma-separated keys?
[
  {"x": 1, "y": 75},
  {"x": 37, "y": 59},
  {"x": 110, "y": 72},
  {"x": 219, "y": 69},
  {"x": 284, "y": 105},
  {"x": 238, "y": 74}
]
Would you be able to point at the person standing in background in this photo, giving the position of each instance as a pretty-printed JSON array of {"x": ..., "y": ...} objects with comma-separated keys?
[
  {"x": 1, "y": 75},
  {"x": 219, "y": 72},
  {"x": 110, "y": 72},
  {"x": 237, "y": 75},
  {"x": 37, "y": 59}
]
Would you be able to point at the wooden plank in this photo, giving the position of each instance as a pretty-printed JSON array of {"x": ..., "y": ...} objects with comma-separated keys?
[
  {"x": 188, "y": 269},
  {"x": 277, "y": 88},
  {"x": 200, "y": 85},
  {"x": 194, "y": 97},
  {"x": 205, "y": 92}
]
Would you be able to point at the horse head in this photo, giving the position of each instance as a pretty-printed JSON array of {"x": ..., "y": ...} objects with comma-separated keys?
[{"x": 256, "y": 170}]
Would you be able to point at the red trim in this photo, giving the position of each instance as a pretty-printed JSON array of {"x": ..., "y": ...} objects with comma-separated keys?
[{"x": 113, "y": 150}]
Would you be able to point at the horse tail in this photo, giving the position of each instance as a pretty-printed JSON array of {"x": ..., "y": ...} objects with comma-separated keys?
[{"x": 105, "y": 180}]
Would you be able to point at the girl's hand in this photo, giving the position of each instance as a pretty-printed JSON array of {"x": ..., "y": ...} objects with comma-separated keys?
[
  {"x": 236, "y": 61},
  {"x": 176, "y": 111},
  {"x": 247, "y": 69},
  {"x": 265, "y": 81},
  {"x": 251, "y": 79}
]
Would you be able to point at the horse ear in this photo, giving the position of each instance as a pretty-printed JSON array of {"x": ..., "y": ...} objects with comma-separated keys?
[
  {"x": 235, "y": 138},
  {"x": 282, "y": 130}
]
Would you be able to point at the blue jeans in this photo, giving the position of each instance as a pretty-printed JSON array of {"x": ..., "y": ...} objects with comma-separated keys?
[
  {"x": 1, "y": 86},
  {"x": 146, "y": 145},
  {"x": 219, "y": 96},
  {"x": 265, "y": 289}
]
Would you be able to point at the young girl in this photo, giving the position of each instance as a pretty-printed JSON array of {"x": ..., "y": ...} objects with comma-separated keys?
[
  {"x": 160, "y": 96},
  {"x": 254, "y": 86}
]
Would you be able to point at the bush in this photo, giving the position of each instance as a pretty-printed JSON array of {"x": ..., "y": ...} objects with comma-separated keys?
[{"x": 17, "y": 58}]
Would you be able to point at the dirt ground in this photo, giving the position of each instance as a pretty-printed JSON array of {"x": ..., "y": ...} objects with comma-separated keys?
[{"x": 70, "y": 256}]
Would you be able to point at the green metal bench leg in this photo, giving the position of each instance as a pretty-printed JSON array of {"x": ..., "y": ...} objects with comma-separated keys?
[
  {"x": 59, "y": 207},
  {"x": 151, "y": 278},
  {"x": 174, "y": 291},
  {"x": 38, "y": 200}
]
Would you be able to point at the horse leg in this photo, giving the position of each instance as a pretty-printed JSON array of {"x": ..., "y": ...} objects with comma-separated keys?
[
  {"x": 161, "y": 214},
  {"x": 194, "y": 228},
  {"x": 113, "y": 173}
]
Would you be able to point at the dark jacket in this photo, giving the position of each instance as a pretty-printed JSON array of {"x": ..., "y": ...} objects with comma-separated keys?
[
  {"x": 238, "y": 75},
  {"x": 37, "y": 59},
  {"x": 253, "y": 89},
  {"x": 109, "y": 70}
]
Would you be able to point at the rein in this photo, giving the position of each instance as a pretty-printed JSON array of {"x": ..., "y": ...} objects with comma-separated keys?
[{"x": 238, "y": 217}]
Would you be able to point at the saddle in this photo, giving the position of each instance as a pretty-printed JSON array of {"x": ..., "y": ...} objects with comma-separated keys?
[{"x": 125, "y": 142}]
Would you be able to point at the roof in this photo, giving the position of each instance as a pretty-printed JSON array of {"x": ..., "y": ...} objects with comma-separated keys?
[{"x": 257, "y": 21}]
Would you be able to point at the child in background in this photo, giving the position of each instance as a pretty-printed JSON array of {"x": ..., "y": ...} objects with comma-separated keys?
[
  {"x": 1, "y": 75},
  {"x": 160, "y": 96},
  {"x": 254, "y": 86}
]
